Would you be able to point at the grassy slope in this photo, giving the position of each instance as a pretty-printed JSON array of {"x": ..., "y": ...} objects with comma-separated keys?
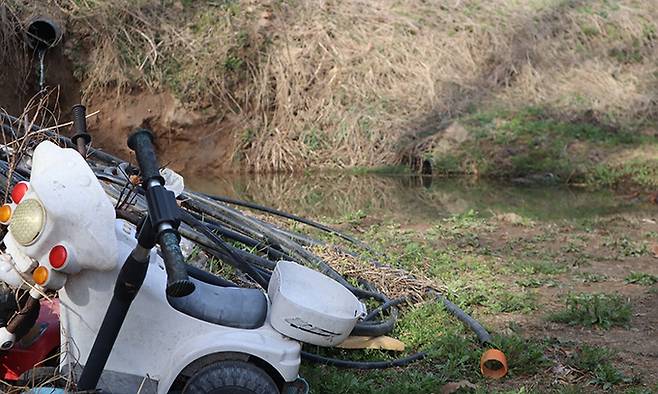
[
  {"x": 363, "y": 84},
  {"x": 532, "y": 145}
]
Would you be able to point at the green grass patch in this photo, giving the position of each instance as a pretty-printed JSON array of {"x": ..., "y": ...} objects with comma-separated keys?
[
  {"x": 534, "y": 267},
  {"x": 596, "y": 361},
  {"x": 641, "y": 278},
  {"x": 509, "y": 126},
  {"x": 641, "y": 172},
  {"x": 591, "y": 277},
  {"x": 490, "y": 296},
  {"x": 331, "y": 380},
  {"x": 538, "y": 146},
  {"x": 530, "y": 282},
  {"x": 524, "y": 356},
  {"x": 601, "y": 310},
  {"x": 625, "y": 247}
]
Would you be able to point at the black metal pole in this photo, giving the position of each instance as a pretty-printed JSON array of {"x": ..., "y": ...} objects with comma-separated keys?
[{"x": 128, "y": 283}]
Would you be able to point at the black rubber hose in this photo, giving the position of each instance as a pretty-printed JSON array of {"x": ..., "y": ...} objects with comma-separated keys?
[
  {"x": 240, "y": 256},
  {"x": 242, "y": 262},
  {"x": 376, "y": 328},
  {"x": 290, "y": 216},
  {"x": 368, "y": 328},
  {"x": 483, "y": 335},
  {"x": 335, "y": 362},
  {"x": 271, "y": 252},
  {"x": 301, "y": 239},
  {"x": 364, "y": 328},
  {"x": 238, "y": 219},
  {"x": 244, "y": 239},
  {"x": 388, "y": 304},
  {"x": 243, "y": 265},
  {"x": 215, "y": 251},
  {"x": 207, "y": 277}
]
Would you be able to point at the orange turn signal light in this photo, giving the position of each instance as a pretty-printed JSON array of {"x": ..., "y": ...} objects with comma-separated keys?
[
  {"x": 40, "y": 275},
  {"x": 5, "y": 213}
]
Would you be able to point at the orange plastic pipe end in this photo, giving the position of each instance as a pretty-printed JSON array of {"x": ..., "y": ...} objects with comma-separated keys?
[{"x": 493, "y": 364}]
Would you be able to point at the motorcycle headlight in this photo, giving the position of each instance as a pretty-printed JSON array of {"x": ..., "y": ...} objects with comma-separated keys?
[{"x": 27, "y": 222}]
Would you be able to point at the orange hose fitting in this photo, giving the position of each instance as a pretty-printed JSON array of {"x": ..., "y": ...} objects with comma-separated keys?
[{"x": 493, "y": 364}]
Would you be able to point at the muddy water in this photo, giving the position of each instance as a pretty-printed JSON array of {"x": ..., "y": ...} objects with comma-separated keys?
[{"x": 409, "y": 199}]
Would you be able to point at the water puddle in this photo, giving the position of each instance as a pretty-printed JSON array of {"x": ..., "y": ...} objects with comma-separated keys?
[{"x": 410, "y": 199}]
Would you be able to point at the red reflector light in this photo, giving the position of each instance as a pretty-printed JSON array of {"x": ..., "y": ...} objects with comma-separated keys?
[
  {"x": 57, "y": 256},
  {"x": 18, "y": 192}
]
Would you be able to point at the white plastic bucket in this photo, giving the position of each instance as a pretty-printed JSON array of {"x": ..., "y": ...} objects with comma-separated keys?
[{"x": 311, "y": 307}]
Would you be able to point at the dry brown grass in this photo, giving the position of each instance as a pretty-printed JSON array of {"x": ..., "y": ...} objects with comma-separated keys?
[
  {"x": 393, "y": 282},
  {"x": 37, "y": 112},
  {"x": 333, "y": 84}
]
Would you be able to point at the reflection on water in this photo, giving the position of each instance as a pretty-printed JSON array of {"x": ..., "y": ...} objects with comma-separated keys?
[{"x": 410, "y": 198}]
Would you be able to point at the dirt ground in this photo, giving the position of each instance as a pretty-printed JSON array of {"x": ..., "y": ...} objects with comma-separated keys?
[{"x": 635, "y": 346}]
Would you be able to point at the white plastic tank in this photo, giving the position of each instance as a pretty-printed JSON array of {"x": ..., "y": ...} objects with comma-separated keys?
[{"x": 311, "y": 307}]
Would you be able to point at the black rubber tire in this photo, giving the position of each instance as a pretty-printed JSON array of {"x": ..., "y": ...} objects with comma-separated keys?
[{"x": 231, "y": 377}]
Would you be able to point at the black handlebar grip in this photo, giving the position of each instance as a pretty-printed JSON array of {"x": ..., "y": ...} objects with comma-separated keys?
[
  {"x": 80, "y": 137},
  {"x": 178, "y": 282},
  {"x": 79, "y": 113},
  {"x": 141, "y": 142}
]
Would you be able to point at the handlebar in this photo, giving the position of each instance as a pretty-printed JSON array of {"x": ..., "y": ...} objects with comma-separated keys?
[
  {"x": 141, "y": 142},
  {"x": 163, "y": 213},
  {"x": 81, "y": 138}
]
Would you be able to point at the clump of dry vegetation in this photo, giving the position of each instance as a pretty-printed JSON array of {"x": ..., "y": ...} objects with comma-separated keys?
[
  {"x": 394, "y": 282},
  {"x": 334, "y": 84}
]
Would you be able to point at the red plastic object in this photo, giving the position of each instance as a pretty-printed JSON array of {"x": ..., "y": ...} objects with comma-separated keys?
[
  {"x": 36, "y": 346},
  {"x": 18, "y": 192},
  {"x": 58, "y": 256}
]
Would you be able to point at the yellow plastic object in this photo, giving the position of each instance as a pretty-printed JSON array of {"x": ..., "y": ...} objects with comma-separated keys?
[
  {"x": 5, "y": 213},
  {"x": 383, "y": 342},
  {"x": 28, "y": 220},
  {"x": 493, "y": 364},
  {"x": 40, "y": 275}
]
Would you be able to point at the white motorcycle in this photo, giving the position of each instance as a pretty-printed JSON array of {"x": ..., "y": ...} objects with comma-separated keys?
[{"x": 132, "y": 319}]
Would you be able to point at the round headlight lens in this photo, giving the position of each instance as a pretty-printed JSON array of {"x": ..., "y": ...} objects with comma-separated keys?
[{"x": 27, "y": 221}]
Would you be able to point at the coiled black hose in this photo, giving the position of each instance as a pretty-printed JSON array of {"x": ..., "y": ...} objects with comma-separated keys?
[
  {"x": 336, "y": 362},
  {"x": 290, "y": 216},
  {"x": 364, "y": 328},
  {"x": 242, "y": 265}
]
